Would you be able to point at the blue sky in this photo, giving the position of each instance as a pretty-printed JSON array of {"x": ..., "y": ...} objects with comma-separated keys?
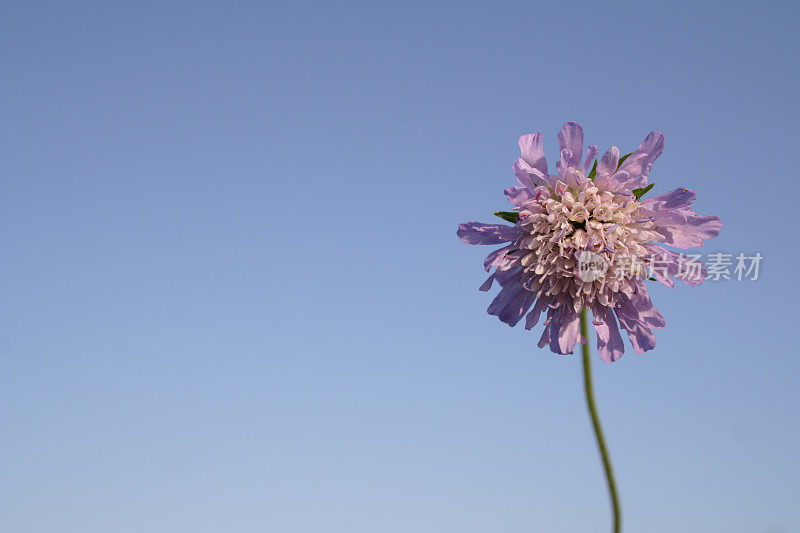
[{"x": 233, "y": 298}]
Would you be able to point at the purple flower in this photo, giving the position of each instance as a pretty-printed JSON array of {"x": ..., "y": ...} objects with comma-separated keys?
[{"x": 563, "y": 219}]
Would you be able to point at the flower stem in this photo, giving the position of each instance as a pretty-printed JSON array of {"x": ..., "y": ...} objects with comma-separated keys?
[{"x": 598, "y": 431}]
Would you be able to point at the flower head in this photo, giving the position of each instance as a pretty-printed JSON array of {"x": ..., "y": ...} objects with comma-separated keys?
[{"x": 586, "y": 240}]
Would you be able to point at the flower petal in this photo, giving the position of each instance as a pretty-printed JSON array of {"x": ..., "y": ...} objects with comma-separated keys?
[
  {"x": 571, "y": 176},
  {"x": 638, "y": 316},
  {"x": 693, "y": 232},
  {"x": 518, "y": 195},
  {"x": 564, "y": 328},
  {"x": 614, "y": 182},
  {"x": 528, "y": 176},
  {"x": 642, "y": 338},
  {"x": 486, "y": 285},
  {"x": 644, "y": 306},
  {"x": 512, "y": 303},
  {"x": 609, "y": 341},
  {"x": 508, "y": 275},
  {"x": 563, "y": 165},
  {"x": 679, "y": 225},
  {"x": 545, "y": 338},
  {"x": 571, "y": 138},
  {"x": 530, "y": 146},
  {"x": 591, "y": 153},
  {"x": 639, "y": 163},
  {"x": 478, "y": 233},
  {"x": 608, "y": 163},
  {"x": 497, "y": 258},
  {"x": 673, "y": 265},
  {"x": 570, "y": 327},
  {"x": 679, "y": 197},
  {"x": 533, "y": 317}
]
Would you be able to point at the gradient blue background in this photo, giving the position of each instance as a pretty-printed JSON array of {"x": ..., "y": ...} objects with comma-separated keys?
[{"x": 233, "y": 298}]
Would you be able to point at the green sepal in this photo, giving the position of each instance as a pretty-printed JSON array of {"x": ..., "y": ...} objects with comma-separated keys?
[
  {"x": 622, "y": 159},
  {"x": 509, "y": 216},
  {"x": 593, "y": 173},
  {"x": 638, "y": 193}
]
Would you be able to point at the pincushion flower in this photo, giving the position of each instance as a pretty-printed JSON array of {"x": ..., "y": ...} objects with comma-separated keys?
[
  {"x": 564, "y": 218},
  {"x": 587, "y": 241}
]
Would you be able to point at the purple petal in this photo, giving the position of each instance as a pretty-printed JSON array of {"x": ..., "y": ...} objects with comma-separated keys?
[
  {"x": 563, "y": 163},
  {"x": 478, "y": 233},
  {"x": 608, "y": 163},
  {"x": 497, "y": 258},
  {"x": 675, "y": 220},
  {"x": 609, "y": 341},
  {"x": 523, "y": 173},
  {"x": 644, "y": 306},
  {"x": 638, "y": 316},
  {"x": 486, "y": 285},
  {"x": 571, "y": 138},
  {"x": 518, "y": 195},
  {"x": 568, "y": 336},
  {"x": 564, "y": 328},
  {"x": 669, "y": 265},
  {"x": 512, "y": 303},
  {"x": 591, "y": 153},
  {"x": 639, "y": 163},
  {"x": 680, "y": 197},
  {"x": 530, "y": 147},
  {"x": 642, "y": 338},
  {"x": 545, "y": 338},
  {"x": 619, "y": 182},
  {"x": 528, "y": 176},
  {"x": 508, "y": 275},
  {"x": 706, "y": 226},
  {"x": 533, "y": 317},
  {"x": 693, "y": 232}
]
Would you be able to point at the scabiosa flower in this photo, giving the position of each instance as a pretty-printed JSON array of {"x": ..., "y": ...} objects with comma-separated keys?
[{"x": 563, "y": 220}]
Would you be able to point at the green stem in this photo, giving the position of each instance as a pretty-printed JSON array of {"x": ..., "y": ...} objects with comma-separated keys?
[{"x": 598, "y": 431}]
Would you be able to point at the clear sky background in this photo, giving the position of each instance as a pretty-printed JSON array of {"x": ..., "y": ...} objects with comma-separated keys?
[{"x": 233, "y": 298}]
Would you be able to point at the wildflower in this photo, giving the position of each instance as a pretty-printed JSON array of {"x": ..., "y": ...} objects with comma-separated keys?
[{"x": 556, "y": 217}]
